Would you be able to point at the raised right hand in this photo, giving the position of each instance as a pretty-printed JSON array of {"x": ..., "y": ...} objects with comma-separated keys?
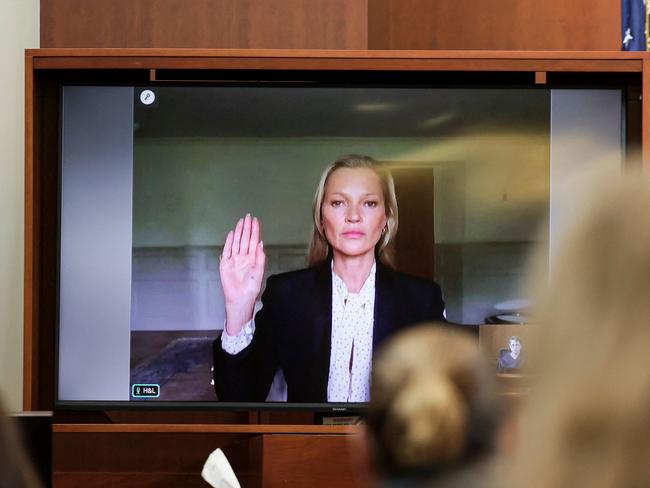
[{"x": 241, "y": 269}]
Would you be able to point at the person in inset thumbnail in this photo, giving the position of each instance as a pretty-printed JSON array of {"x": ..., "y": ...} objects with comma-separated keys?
[
  {"x": 318, "y": 326},
  {"x": 512, "y": 358}
]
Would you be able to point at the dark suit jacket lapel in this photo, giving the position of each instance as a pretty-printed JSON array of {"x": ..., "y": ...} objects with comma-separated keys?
[
  {"x": 322, "y": 320},
  {"x": 385, "y": 310}
]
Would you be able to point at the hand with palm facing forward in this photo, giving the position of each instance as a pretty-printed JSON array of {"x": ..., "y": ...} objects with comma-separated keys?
[{"x": 241, "y": 269}]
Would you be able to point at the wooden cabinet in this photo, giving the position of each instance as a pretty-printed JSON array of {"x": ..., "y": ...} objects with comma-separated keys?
[{"x": 140, "y": 455}]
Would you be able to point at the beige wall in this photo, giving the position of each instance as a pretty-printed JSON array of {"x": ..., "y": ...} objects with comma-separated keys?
[{"x": 19, "y": 24}]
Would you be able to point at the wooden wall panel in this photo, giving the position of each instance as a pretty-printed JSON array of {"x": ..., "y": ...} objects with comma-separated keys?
[
  {"x": 95, "y": 459},
  {"x": 546, "y": 25},
  {"x": 379, "y": 24},
  {"x": 333, "y": 24},
  {"x": 308, "y": 24},
  {"x": 310, "y": 460},
  {"x": 134, "y": 452}
]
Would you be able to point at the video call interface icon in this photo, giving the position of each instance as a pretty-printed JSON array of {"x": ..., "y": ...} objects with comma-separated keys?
[
  {"x": 145, "y": 390},
  {"x": 147, "y": 97}
]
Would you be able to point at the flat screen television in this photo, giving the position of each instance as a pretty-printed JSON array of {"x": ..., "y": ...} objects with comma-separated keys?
[{"x": 153, "y": 177}]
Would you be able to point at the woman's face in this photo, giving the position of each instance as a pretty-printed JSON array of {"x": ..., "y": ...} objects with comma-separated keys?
[{"x": 353, "y": 211}]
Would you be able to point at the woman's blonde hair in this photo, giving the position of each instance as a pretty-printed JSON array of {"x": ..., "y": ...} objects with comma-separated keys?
[
  {"x": 319, "y": 248},
  {"x": 588, "y": 422},
  {"x": 433, "y": 401}
]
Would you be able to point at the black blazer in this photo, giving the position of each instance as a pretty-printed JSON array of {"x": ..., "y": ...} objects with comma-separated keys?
[{"x": 294, "y": 328}]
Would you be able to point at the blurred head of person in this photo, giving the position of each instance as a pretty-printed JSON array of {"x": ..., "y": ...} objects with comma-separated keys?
[
  {"x": 434, "y": 409},
  {"x": 587, "y": 422}
]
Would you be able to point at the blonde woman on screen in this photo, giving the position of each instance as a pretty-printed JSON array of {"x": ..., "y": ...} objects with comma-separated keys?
[
  {"x": 588, "y": 421},
  {"x": 318, "y": 326}
]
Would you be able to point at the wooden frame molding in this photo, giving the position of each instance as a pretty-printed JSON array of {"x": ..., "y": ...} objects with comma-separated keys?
[{"x": 533, "y": 61}]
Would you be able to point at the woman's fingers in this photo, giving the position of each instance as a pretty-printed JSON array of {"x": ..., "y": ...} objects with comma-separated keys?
[
  {"x": 244, "y": 238},
  {"x": 255, "y": 236},
  {"x": 246, "y": 235},
  {"x": 237, "y": 236},
  {"x": 227, "y": 247},
  {"x": 260, "y": 256}
]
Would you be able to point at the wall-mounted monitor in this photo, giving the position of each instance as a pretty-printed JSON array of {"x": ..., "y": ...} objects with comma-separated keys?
[{"x": 152, "y": 178}]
